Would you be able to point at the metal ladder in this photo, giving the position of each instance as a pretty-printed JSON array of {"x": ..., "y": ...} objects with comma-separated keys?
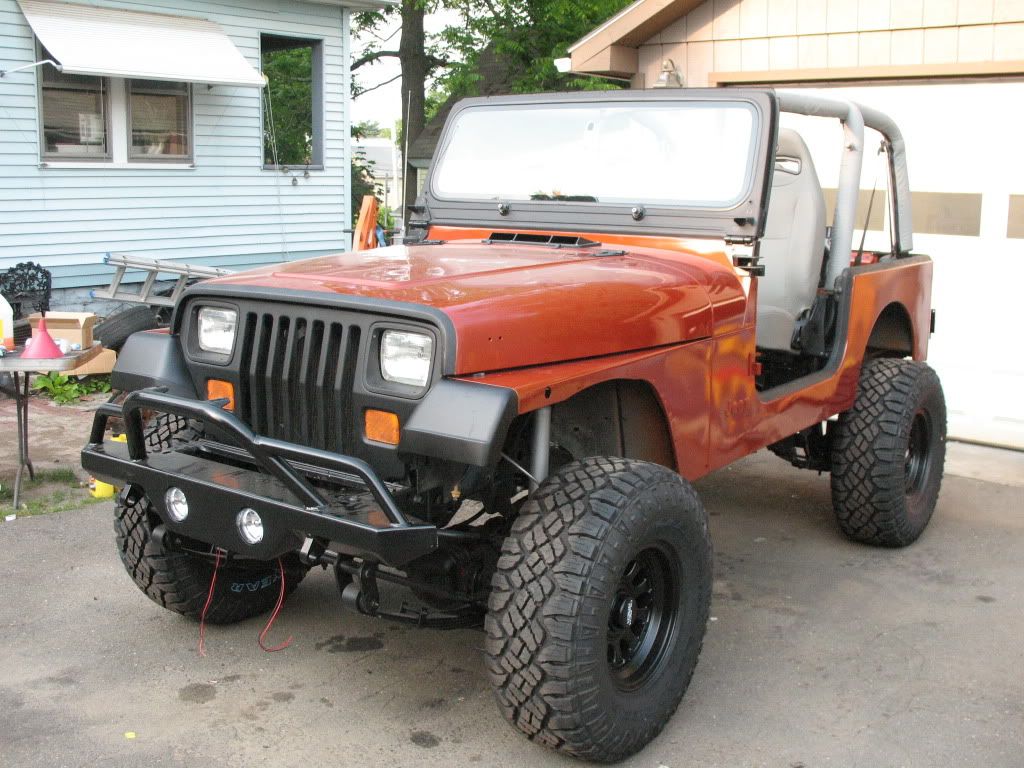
[{"x": 122, "y": 262}]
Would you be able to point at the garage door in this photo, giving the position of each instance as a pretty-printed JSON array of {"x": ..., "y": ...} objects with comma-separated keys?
[{"x": 966, "y": 170}]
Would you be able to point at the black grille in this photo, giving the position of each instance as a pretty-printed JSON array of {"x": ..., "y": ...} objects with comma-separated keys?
[{"x": 296, "y": 378}]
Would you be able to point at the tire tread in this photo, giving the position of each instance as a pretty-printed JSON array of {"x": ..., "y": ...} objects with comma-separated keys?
[
  {"x": 553, "y": 559},
  {"x": 868, "y": 492}
]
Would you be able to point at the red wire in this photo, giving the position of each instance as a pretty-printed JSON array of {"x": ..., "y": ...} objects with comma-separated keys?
[
  {"x": 273, "y": 617},
  {"x": 206, "y": 607}
]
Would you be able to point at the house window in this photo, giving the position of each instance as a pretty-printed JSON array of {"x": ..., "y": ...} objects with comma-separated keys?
[
  {"x": 75, "y": 116},
  {"x": 159, "y": 120},
  {"x": 113, "y": 120},
  {"x": 292, "y": 101}
]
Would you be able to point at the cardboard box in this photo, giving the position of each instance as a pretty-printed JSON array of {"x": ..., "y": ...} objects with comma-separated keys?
[
  {"x": 73, "y": 327},
  {"x": 101, "y": 364}
]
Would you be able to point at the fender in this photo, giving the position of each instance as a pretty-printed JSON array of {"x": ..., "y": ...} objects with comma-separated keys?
[
  {"x": 461, "y": 421},
  {"x": 152, "y": 360}
]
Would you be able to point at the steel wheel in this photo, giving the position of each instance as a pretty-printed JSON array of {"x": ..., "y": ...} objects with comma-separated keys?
[
  {"x": 642, "y": 618},
  {"x": 918, "y": 457}
]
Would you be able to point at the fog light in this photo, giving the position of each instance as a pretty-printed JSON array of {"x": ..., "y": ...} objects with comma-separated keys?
[
  {"x": 250, "y": 526},
  {"x": 176, "y": 503}
]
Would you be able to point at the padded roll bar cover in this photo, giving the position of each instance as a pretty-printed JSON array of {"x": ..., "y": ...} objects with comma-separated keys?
[
  {"x": 886, "y": 126},
  {"x": 848, "y": 190},
  {"x": 461, "y": 421},
  {"x": 152, "y": 360}
]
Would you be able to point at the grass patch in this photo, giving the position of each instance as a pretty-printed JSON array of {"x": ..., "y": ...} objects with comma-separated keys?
[{"x": 52, "y": 490}]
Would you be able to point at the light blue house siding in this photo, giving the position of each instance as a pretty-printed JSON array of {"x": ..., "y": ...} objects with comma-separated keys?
[{"x": 225, "y": 211}]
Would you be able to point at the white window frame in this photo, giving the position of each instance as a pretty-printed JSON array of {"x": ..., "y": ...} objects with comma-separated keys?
[
  {"x": 186, "y": 159},
  {"x": 118, "y": 132}
]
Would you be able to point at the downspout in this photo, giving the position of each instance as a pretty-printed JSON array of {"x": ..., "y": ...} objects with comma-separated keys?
[{"x": 849, "y": 172}]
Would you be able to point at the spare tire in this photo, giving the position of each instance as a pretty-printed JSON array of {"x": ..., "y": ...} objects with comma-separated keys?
[{"x": 115, "y": 330}]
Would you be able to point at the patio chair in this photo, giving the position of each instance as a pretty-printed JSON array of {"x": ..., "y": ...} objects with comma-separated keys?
[{"x": 27, "y": 287}]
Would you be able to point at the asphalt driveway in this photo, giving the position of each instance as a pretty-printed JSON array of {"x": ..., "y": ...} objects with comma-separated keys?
[{"x": 820, "y": 653}]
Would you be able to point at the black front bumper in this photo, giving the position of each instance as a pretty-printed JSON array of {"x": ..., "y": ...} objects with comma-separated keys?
[{"x": 272, "y": 480}]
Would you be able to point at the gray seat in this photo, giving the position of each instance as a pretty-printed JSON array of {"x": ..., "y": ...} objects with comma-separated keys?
[{"x": 793, "y": 246}]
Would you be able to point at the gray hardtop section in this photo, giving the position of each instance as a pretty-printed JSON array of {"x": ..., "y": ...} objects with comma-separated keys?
[{"x": 742, "y": 222}]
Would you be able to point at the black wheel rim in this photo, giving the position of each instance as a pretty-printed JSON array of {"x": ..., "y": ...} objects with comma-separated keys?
[
  {"x": 641, "y": 624},
  {"x": 918, "y": 455}
]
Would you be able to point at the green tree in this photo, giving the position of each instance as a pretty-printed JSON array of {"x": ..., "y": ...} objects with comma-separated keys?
[
  {"x": 527, "y": 35},
  {"x": 288, "y": 107},
  {"x": 370, "y": 129},
  {"x": 419, "y": 57}
]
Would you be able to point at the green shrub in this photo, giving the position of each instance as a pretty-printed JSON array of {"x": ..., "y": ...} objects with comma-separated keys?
[{"x": 70, "y": 389}]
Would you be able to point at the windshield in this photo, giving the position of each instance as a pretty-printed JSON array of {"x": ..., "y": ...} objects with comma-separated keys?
[{"x": 692, "y": 154}]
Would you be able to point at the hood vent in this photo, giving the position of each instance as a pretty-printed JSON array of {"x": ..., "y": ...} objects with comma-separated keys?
[{"x": 552, "y": 241}]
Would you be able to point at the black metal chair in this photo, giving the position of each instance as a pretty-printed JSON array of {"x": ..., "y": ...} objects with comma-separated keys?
[{"x": 27, "y": 287}]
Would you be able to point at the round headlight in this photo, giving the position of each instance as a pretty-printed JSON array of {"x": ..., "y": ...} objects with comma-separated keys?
[
  {"x": 176, "y": 504},
  {"x": 250, "y": 526}
]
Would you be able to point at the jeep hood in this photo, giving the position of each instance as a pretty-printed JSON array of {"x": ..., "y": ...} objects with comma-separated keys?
[{"x": 520, "y": 305}]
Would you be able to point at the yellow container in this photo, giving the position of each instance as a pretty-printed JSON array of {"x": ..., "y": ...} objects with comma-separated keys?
[
  {"x": 98, "y": 488},
  {"x": 101, "y": 490}
]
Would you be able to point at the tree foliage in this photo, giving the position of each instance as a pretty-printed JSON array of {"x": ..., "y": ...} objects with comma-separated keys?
[
  {"x": 525, "y": 35},
  {"x": 288, "y": 139}
]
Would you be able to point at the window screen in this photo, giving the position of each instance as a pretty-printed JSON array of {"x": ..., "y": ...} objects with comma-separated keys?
[
  {"x": 160, "y": 120},
  {"x": 74, "y": 115}
]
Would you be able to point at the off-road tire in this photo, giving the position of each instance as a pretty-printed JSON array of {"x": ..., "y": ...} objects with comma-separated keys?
[
  {"x": 889, "y": 452},
  {"x": 113, "y": 332},
  {"x": 548, "y": 630},
  {"x": 179, "y": 580},
  {"x": 163, "y": 431}
]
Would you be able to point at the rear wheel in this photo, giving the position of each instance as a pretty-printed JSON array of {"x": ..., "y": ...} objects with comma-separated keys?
[
  {"x": 598, "y": 607},
  {"x": 888, "y": 457}
]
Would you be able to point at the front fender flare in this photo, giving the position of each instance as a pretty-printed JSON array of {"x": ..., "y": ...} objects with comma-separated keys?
[
  {"x": 152, "y": 360},
  {"x": 461, "y": 421}
]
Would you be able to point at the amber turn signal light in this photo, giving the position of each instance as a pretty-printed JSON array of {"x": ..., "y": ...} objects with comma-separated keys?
[
  {"x": 219, "y": 390},
  {"x": 382, "y": 427}
]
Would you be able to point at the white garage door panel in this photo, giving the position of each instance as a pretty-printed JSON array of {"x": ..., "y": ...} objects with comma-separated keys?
[{"x": 960, "y": 138}]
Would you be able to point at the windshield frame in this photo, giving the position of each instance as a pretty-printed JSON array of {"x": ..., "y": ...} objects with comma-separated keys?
[{"x": 742, "y": 221}]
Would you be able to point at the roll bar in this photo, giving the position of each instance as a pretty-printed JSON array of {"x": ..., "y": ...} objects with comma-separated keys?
[{"x": 854, "y": 117}]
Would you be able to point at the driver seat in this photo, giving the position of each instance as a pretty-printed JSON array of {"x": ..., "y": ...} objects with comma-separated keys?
[{"x": 793, "y": 247}]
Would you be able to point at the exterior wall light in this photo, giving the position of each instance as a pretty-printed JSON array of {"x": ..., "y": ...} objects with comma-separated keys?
[{"x": 669, "y": 77}]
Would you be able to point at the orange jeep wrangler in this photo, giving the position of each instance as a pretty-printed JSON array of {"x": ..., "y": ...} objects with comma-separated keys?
[{"x": 609, "y": 295}]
